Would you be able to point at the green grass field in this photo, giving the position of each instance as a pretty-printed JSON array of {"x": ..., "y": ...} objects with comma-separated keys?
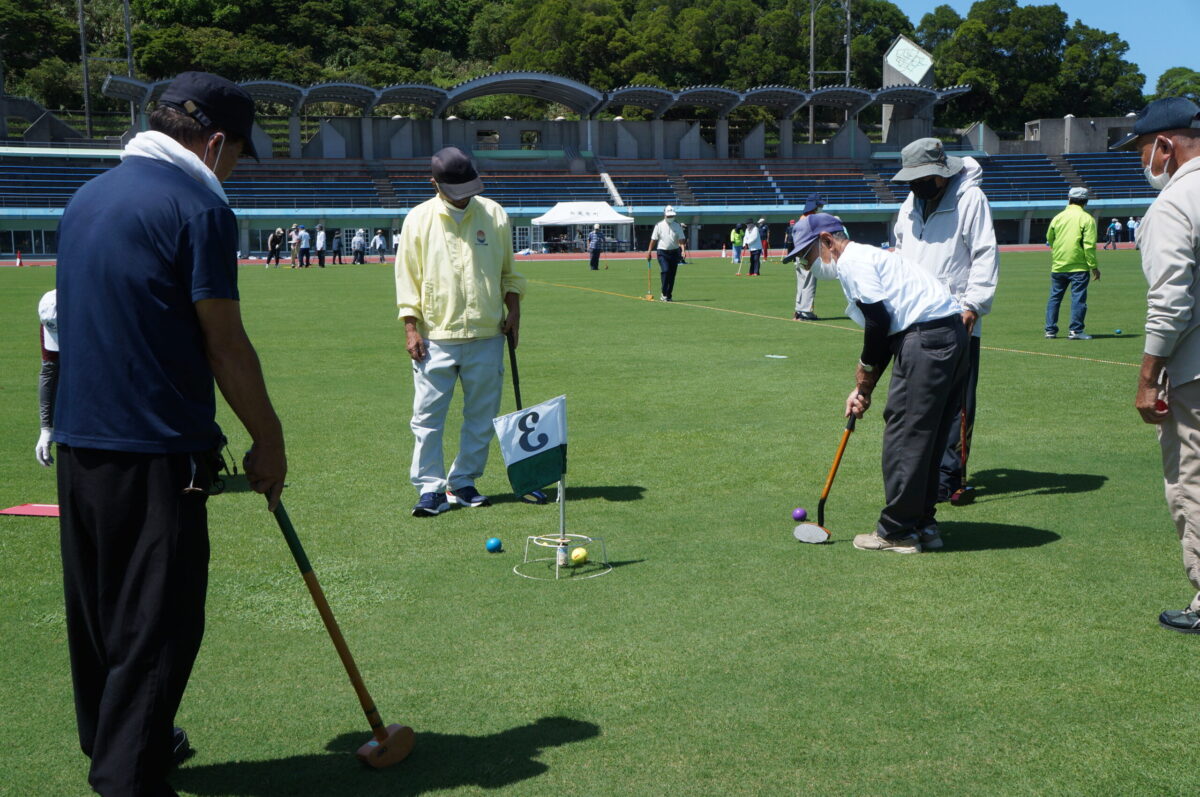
[{"x": 719, "y": 656}]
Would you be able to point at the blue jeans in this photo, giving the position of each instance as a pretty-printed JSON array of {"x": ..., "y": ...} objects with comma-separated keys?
[{"x": 1078, "y": 280}]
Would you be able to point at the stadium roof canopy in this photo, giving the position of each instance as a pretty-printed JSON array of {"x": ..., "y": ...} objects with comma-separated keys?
[
  {"x": 849, "y": 98},
  {"x": 581, "y": 98},
  {"x": 721, "y": 99},
  {"x": 578, "y": 97},
  {"x": 656, "y": 99},
  {"x": 784, "y": 99},
  {"x": 273, "y": 91},
  {"x": 918, "y": 95},
  {"x": 413, "y": 94}
]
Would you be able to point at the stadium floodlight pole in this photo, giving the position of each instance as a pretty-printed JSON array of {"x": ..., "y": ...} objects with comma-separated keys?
[
  {"x": 813, "y": 5},
  {"x": 83, "y": 57},
  {"x": 129, "y": 64}
]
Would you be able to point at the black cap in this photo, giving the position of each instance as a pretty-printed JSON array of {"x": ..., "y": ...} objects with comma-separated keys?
[
  {"x": 214, "y": 101},
  {"x": 1169, "y": 113},
  {"x": 455, "y": 174}
]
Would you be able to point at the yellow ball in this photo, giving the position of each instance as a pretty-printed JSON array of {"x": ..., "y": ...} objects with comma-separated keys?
[{"x": 579, "y": 556}]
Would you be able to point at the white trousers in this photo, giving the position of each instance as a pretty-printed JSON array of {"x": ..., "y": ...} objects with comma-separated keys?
[{"x": 479, "y": 365}]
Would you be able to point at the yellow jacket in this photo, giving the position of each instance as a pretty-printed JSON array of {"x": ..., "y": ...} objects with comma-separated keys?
[
  {"x": 1072, "y": 239},
  {"x": 453, "y": 277}
]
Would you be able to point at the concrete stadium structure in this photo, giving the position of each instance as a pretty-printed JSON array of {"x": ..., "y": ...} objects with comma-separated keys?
[{"x": 367, "y": 170}]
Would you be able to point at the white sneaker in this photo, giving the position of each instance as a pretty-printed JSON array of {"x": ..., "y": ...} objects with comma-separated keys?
[
  {"x": 1079, "y": 336},
  {"x": 873, "y": 542}
]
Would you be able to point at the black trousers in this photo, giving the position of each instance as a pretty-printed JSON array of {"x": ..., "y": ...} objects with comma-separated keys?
[
  {"x": 595, "y": 260},
  {"x": 755, "y": 261},
  {"x": 135, "y": 573},
  {"x": 321, "y": 258},
  {"x": 928, "y": 371},
  {"x": 951, "y": 477},
  {"x": 668, "y": 265}
]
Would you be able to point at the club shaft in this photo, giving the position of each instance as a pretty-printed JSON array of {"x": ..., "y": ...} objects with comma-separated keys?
[
  {"x": 833, "y": 469},
  {"x": 962, "y": 436},
  {"x": 837, "y": 460},
  {"x": 516, "y": 377},
  {"x": 335, "y": 633}
]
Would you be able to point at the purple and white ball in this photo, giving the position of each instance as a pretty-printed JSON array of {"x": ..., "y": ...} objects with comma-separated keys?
[{"x": 799, "y": 514}]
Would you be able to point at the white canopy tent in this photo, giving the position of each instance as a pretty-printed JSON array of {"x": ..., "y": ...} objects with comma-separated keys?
[
  {"x": 580, "y": 217},
  {"x": 565, "y": 214}
]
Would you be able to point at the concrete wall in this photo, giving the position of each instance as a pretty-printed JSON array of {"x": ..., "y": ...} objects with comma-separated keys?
[{"x": 1072, "y": 134}]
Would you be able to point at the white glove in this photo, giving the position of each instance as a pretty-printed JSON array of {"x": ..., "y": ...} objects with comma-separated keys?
[{"x": 43, "y": 453}]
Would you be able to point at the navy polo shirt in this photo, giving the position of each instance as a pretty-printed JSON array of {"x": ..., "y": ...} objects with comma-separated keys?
[{"x": 138, "y": 247}]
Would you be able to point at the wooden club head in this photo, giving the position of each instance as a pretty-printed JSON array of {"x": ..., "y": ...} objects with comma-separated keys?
[{"x": 392, "y": 750}]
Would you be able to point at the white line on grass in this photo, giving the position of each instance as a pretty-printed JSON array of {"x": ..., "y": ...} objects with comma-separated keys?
[{"x": 642, "y": 298}]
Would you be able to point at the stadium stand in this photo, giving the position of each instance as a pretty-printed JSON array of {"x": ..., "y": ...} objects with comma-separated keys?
[
  {"x": 304, "y": 184},
  {"x": 43, "y": 185},
  {"x": 1005, "y": 178},
  {"x": 515, "y": 190},
  {"x": 1111, "y": 175},
  {"x": 841, "y": 182}
]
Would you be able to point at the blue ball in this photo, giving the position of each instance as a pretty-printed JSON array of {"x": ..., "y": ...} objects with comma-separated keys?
[
  {"x": 1118, "y": 331},
  {"x": 493, "y": 545}
]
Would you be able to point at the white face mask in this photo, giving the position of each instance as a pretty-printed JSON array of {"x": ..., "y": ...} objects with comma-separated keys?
[
  {"x": 1157, "y": 181},
  {"x": 825, "y": 269},
  {"x": 220, "y": 149}
]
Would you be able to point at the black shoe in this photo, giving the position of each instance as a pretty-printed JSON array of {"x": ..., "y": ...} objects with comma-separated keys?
[
  {"x": 1184, "y": 621},
  {"x": 807, "y": 316},
  {"x": 181, "y": 749}
]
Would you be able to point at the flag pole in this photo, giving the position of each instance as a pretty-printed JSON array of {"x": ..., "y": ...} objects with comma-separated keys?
[{"x": 562, "y": 521}]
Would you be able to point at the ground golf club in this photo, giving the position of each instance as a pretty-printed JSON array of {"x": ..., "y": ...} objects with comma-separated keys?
[
  {"x": 392, "y": 743},
  {"x": 816, "y": 532},
  {"x": 966, "y": 493},
  {"x": 537, "y": 496}
]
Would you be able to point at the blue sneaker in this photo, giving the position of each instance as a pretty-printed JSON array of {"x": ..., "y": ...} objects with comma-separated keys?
[
  {"x": 430, "y": 505},
  {"x": 468, "y": 496}
]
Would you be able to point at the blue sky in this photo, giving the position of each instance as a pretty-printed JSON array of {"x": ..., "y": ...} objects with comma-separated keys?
[{"x": 1159, "y": 37}]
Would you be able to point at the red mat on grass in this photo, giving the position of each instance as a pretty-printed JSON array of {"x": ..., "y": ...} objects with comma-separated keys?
[{"x": 32, "y": 510}]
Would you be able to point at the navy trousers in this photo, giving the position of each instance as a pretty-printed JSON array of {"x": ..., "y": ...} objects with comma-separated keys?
[
  {"x": 668, "y": 264},
  {"x": 135, "y": 573}
]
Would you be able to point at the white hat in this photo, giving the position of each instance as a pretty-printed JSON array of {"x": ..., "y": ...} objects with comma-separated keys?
[
  {"x": 1078, "y": 192},
  {"x": 760, "y": 221},
  {"x": 669, "y": 211},
  {"x": 595, "y": 226},
  {"x": 48, "y": 315}
]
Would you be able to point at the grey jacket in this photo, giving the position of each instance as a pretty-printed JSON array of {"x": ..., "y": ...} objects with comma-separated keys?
[
  {"x": 1169, "y": 236},
  {"x": 957, "y": 243}
]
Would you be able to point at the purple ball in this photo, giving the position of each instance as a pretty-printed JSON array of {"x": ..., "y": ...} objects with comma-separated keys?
[{"x": 799, "y": 514}]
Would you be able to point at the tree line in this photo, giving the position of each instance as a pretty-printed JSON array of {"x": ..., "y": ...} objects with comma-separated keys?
[{"x": 1023, "y": 61}]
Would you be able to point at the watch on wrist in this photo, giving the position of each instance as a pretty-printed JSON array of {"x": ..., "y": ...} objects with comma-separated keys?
[{"x": 870, "y": 369}]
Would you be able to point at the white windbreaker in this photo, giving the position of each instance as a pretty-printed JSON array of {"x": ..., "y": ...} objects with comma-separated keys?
[{"x": 957, "y": 243}]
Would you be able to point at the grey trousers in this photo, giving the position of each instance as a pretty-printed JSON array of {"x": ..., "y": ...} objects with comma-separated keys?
[
  {"x": 929, "y": 365},
  {"x": 806, "y": 290},
  {"x": 1179, "y": 437}
]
